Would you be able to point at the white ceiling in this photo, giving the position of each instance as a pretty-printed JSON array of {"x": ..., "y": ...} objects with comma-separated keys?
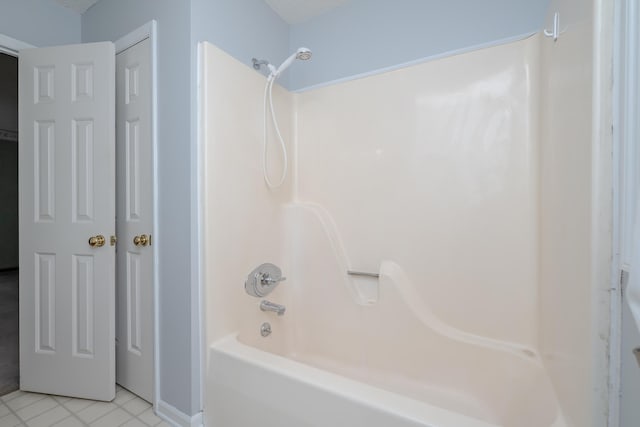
[
  {"x": 297, "y": 11},
  {"x": 292, "y": 11}
]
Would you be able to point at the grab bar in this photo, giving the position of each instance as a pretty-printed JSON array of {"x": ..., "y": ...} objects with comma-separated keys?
[{"x": 362, "y": 273}]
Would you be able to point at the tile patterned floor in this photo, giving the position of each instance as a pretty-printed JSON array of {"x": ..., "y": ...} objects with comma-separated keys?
[{"x": 20, "y": 409}]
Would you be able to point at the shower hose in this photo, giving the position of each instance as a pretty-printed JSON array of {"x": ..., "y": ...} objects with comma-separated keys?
[{"x": 268, "y": 95}]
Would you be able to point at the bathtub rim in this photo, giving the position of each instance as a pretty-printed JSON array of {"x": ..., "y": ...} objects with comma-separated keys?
[{"x": 361, "y": 393}]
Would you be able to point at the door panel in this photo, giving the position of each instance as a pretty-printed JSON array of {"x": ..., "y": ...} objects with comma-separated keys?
[
  {"x": 134, "y": 218},
  {"x": 67, "y": 195}
]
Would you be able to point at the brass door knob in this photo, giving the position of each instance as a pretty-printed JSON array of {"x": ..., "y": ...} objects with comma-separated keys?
[
  {"x": 97, "y": 241},
  {"x": 141, "y": 240}
]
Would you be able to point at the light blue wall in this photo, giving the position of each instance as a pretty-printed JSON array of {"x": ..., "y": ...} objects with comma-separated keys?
[
  {"x": 110, "y": 20},
  {"x": 39, "y": 22},
  {"x": 366, "y": 35},
  {"x": 360, "y": 36},
  {"x": 243, "y": 28}
]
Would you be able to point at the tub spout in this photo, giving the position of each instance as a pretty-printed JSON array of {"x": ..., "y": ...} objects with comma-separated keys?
[{"x": 271, "y": 306}]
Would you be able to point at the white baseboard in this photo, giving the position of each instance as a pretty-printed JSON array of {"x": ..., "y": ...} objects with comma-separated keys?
[{"x": 177, "y": 418}]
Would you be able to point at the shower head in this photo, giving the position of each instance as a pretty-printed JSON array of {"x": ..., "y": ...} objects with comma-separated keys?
[{"x": 302, "y": 54}]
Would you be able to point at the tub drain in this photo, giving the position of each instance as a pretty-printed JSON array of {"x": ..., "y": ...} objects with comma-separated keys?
[{"x": 265, "y": 329}]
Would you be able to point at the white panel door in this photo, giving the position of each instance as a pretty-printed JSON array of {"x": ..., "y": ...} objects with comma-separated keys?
[
  {"x": 134, "y": 288},
  {"x": 67, "y": 196}
]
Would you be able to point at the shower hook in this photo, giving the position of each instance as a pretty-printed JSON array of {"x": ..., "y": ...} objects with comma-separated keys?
[
  {"x": 258, "y": 62},
  {"x": 555, "y": 32}
]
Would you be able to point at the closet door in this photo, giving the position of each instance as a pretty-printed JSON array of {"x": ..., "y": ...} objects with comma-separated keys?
[
  {"x": 134, "y": 288},
  {"x": 67, "y": 218}
]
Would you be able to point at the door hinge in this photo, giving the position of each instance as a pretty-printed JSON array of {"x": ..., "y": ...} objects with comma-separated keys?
[{"x": 636, "y": 353}]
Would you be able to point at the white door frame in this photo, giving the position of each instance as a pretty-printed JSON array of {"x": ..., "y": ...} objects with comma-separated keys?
[
  {"x": 149, "y": 31},
  {"x": 11, "y": 46},
  {"x": 626, "y": 107}
]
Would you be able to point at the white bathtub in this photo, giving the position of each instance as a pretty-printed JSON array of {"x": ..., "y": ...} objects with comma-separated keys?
[
  {"x": 365, "y": 352},
  {"x": 249, "y": 387},
  {"x": 324, "y": 373}
]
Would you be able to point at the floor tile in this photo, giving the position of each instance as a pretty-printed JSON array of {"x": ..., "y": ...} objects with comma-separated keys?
[
  {"x": 12, "y": 395},
  {"x": 4, "y": 410},
  {"x": 10, "y": 420},
  {"x": 49, "y": 418},
  {"x": 95, "y": 410},
  {"x": 24, "y": 409},
  {"x": 25, "y": 399},
  {"x": 113, "y": 418},
  {"x": 70, "y": 422},
  {"x": 136, "y": 406},
  {"x": 134, "y": 422},
  {"x": 36, "y": 408},
  {"x": 76, "y": 405},
  {"x": 149, "y": 417},
  {"x": 123, "y": 396},
  {"x": 61, "y": 399}
]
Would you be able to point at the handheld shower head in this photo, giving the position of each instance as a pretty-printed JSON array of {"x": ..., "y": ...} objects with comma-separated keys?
[{"x": 302, "y": 54}]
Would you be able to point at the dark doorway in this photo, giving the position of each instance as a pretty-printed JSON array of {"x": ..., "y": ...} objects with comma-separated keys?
[{"x": 9, "y": 337}]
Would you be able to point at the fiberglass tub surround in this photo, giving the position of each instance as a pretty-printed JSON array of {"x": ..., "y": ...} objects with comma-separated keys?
[
  {"x": 385, "y": 335},
  {"x": 426, "y": 176}
]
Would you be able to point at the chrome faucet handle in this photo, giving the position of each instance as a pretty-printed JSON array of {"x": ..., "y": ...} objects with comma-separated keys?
[
  {"x": 262, "y": 280},
  {"x": 266, "y": 279}
]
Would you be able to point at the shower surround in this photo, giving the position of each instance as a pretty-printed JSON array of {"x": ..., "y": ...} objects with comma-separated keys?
[{"x": 435, "y": 177}]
